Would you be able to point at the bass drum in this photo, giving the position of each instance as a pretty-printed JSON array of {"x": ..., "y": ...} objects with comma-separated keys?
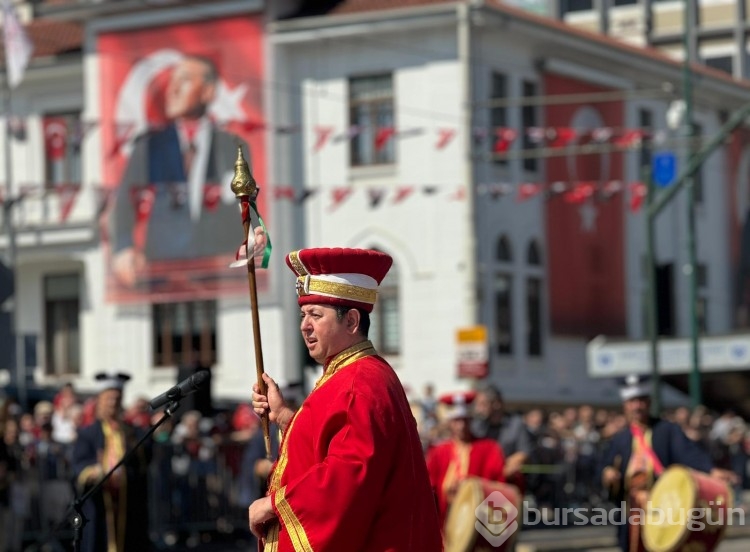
[
  {"x": 479, "y": 519},
  {"x": 687, "y": 511}
]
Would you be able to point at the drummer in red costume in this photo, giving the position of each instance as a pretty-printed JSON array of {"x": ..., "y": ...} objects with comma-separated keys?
[
  {"x": 463, "y": 455},
  {"x": 351, "y": 473}
]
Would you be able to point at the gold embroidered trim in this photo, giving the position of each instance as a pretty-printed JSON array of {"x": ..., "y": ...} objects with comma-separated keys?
[
  {"x": 341, "y": 360},
  {"x": 272, "y": 539},
  {"x": 344, "y": 359},
  {"x": 293, "y": 526},
  {"x": 309, "y": 285},
  {"x": 297, "y": 265},
  {"x": 278, "y": 471}
]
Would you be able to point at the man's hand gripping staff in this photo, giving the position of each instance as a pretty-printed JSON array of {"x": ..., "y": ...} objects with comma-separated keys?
[{"x": 246, "y": 191}]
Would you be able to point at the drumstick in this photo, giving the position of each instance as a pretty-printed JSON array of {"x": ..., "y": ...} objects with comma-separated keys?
[{"x": 617, "y": 464}]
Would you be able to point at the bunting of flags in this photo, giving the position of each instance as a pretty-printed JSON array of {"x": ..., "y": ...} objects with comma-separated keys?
[
  {"x": 574, "y": 193},
  {"x": 498, "y": 140}
]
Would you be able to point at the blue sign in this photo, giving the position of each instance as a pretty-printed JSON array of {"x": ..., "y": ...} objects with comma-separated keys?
[{"x": 664, "y": 168}]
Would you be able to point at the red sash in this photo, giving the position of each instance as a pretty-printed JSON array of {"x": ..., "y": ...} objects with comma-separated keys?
[{"x": 637, "y": 432}]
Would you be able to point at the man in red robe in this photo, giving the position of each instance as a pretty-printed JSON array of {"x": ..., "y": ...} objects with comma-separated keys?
[
  {"x": 463, "y": 455},
  {"x": 351, "y": 474}
]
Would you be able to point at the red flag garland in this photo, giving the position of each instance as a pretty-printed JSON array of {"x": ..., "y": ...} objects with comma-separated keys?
[
  {"x": 527, "y": 190},
  {"x": 383, "y": 136},
  {"x": 638, "y": 193},
  {"x": 563, "y": 136},
  {"x": 339, "y": 195},
  {"x": 68, "y": 194},
  {"x": 504, "y": 137},
  {"x": 322, "y": 133},
  {"x": 402, "y": 192},
  {"x": 445, "y": 135},
  {"x": 580, "y": 192}
]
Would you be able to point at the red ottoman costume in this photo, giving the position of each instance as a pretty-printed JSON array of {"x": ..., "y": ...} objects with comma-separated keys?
[
  {"x": 351, "y": 475},
  {"x": 451, "y": 462}
]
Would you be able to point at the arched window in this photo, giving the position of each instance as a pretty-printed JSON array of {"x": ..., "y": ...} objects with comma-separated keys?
[
  {"x": 533, "y": 257},
  {"x": 385, "y": 319},
  {"x": 504, "y": 252}
]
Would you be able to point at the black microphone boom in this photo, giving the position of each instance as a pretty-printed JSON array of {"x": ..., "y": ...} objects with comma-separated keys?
[{"x": 182, "y": 389}]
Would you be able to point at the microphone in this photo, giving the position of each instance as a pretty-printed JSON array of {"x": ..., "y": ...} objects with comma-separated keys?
[{"x": 182, "y": 389}]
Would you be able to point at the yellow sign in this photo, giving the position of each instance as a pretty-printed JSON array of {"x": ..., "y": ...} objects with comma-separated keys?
[
  {"x": 471, "y": 352},
  {"x": 474, "y": 333}
]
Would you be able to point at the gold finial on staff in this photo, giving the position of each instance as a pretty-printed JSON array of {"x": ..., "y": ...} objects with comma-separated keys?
[
  {"x": 243, "y": 183},
  {"x": 245, "y": 190}
]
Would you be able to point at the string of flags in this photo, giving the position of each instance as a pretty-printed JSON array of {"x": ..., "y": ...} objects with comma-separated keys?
[
  {"x": 60, "y": 133},
  {"x": 574, "y": 193}
]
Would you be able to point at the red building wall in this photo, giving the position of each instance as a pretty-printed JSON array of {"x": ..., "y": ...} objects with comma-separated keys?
[{"x": 586, "y": 262}]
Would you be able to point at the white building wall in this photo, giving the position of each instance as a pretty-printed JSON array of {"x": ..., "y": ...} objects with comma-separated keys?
[{"x": 424, "y": 233}]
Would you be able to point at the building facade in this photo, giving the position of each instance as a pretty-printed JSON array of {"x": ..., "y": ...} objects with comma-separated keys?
[{"x": 495, "y": 154}]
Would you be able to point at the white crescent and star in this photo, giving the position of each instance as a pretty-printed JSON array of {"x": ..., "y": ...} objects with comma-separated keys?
[{"x": 130, "y": 108}]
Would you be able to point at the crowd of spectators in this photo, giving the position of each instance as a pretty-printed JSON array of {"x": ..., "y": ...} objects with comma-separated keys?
[
  {"x": 197, "y": 459},
  {"x": 209, "y": 465},
  {"x": 563, "y": 464}
]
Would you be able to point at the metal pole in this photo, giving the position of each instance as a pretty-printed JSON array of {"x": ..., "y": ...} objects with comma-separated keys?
[
  {"x": 695, "y": 376},
  {"x": 464, "y": 12},
  {"x": 652, "y": 300},
  {"x": 12, "y": 255}
]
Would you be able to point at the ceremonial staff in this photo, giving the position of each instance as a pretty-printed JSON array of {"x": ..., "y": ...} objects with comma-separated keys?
[{"x": 245, "y": 190}]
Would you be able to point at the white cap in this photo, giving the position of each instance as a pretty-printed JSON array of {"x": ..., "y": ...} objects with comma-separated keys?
[
  {"x": 457, "y": 404},
  {"x": 634, "y": 387},
  {"x": 106, "y": 381}
]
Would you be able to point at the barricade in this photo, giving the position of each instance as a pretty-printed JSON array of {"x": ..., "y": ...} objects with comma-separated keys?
[{"x": 189, "y": 498}]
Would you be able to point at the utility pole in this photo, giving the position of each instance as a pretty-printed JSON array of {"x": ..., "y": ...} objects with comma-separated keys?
[
  {"x": 695, "y": 375},
  {"x": 657, "y": 204},
  {"x": 653, "y": 299}
]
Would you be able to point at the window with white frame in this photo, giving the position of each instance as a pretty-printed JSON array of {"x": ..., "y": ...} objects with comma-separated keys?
[
  {"x": 385, "y": 319},
  {"x": 62, "y": 148},
  {"x": 62, "y": 337},
  {"x": 371, "y": 108},
  {"x": 184, "y": 334}
]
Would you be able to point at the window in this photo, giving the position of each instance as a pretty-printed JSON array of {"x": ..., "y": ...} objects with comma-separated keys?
[
  {"x": 646, "y": 123},
  {"x": 371, "y": 113},
  {"x": 504, "y": 253},
  {"x": 529, "y": 119},
  {"x": 503, "y": 292},
  {"x": 577, "y": 5},
  {"x": 534, "y": 301},
  {"x": 498, "y": 114},
  {"x": 184, "y": 333},
  {"x": 534, "y": 316},
  {"x": 62, "y": 148},
  {"x": 503, "y": 313},
  {"x": 533, "y": 257},
  {"x": 385, "y": 319},
  {"x": 722, "y": 63},
  {"x": 62, "y": 333}
]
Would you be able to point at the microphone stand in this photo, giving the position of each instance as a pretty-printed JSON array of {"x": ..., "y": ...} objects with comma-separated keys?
[{"x": 78, "y": 520}]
